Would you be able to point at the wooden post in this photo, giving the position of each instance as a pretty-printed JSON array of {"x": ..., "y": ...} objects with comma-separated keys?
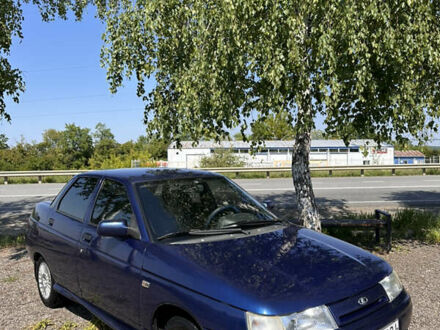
[
  {"x": 6, "y": 180},
  {"x": 393, "y": 171},
  {"x": 40, "y": 179},
  {"x": 362, "y": 172},
  {"x": 267, "y": 174},
  {"x": 424, "y": 171},
  {"x": 377, "y": 230}
]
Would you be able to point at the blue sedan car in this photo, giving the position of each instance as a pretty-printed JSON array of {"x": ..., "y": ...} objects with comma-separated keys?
[{"x": 178, "y": 249}]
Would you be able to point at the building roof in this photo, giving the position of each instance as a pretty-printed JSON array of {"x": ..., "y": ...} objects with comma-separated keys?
[
  {"x": 408, "y": 153},
  {"x": 274, "y": 144}
]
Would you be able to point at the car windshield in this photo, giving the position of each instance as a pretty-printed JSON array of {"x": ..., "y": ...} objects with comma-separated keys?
[{"x": 181, "y": 205}]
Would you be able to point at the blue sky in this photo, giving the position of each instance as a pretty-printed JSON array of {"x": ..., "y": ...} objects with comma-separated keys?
[{"x": 65, "y": 83}]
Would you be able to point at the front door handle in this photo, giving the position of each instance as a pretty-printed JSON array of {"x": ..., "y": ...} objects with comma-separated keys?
[
  {"x": 51, "y": 221},
  {"x": 87, "y": 237}
]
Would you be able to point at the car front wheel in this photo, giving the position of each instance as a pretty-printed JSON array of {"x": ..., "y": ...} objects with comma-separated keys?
[
  {"x": 45, "y": 283},
  {"x": 180, "y": 323}
]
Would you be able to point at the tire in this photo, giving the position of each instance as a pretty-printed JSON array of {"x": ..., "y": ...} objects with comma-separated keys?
[
  {"x": 45, "y": 282},
  {"x": 179, "y": 323}
]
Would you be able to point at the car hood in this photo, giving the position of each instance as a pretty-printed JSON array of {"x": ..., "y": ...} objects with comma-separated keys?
[{"x": 275, "y": 273}]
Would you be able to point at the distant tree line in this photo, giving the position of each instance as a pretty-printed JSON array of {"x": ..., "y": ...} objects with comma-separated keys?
[{"x": 79, "y": 148}]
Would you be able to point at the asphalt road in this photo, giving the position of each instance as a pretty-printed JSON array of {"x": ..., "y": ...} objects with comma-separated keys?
[
  {"x": 346, "y": 195},
  {"x": 334, "y": 195},
  {"x": 389, "y": 191}
]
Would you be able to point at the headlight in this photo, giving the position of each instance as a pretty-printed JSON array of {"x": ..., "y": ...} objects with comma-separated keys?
[
  {"x": 392, "y": 286},
  {"x": 318, "y": 318}
]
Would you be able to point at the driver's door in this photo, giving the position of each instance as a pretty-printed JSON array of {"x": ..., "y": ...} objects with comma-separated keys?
[{"x": 109, "y": 275}]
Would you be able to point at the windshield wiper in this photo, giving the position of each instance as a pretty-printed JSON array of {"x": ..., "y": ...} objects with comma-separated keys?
[
  {"x": 256, "y": 223},
  {"x": 203, "y": 232}
]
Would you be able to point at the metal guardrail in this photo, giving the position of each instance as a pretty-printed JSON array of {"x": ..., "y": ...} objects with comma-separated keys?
[
  {"x": 237, "y": 170},
  {"x": 330, "y": 169},
  {"x": 38, "y": 174}
]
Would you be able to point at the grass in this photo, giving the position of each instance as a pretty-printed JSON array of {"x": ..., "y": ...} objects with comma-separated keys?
[
  {"x": 43, "y": 324},
  {"x": 96, "y": 324},
  {"x": 341, "y": 173},
  {"x": 255, "y": 175},
  {"x": 10, "y": 279},
  {"x": 11, "y": 241},
  {"x": 415, "y": 224},
  {"x": 69, "y": 325},
  {"x": 420, "y": 225},
  {"x": 30, "y": 179}
]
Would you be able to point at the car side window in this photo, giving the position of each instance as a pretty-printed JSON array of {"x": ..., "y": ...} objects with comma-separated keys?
[
  {"x": 112, "y": 203},
  {"x": 77, "y": 199}
]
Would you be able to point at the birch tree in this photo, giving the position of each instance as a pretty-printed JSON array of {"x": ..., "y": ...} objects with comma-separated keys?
[{"x": 367, "y": 67}]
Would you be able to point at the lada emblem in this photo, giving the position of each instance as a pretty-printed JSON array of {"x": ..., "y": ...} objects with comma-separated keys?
[{"x": 362, "y": 300}]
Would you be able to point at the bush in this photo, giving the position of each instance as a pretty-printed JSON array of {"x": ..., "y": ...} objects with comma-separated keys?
[
  {"x": 11, "y": 241},
  {"x": 222, "y": 158},
  {"x": 415, "y": 224}
]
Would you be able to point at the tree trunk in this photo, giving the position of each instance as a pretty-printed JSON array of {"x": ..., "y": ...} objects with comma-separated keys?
[{"x": 308, "y": 212}]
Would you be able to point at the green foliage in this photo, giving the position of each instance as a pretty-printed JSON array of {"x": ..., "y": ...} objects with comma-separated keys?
[
  {"x": 317, "y": 134},
  {"x": 96, "y": 324},
  {"x": 11, "y": 81},
  {"x": 415, "y": 224},
  {"x": 156, "y": 148},
  {"x": 104, "y": 145},
  {"x": 79, "y": 148},
  {"x": 3, "y": 142},
  {"x": 239, "y": 137},
  {"x": 10, "y": 279},
  {"x": 76, "y": 146},
  {"x": 11, "y": 241},
  {"x": 69, "y": 325},
  {"x": 43, "y": 324},
  {"x": 103, "y": 139},
  {"x": 221, "y": 158},
  {"x": 368, "y": 68},
  {"x": 273, "y": 127}
]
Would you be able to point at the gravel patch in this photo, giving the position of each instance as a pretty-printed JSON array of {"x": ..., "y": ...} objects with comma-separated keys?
[
  {"x": 20, "y": 304},
  {"x": 418, "y": 266}
]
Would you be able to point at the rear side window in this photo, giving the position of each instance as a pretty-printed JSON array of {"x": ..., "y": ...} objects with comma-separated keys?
[
  {"x": 112, "y": 203},
  {"x": 77, "y": 198}
]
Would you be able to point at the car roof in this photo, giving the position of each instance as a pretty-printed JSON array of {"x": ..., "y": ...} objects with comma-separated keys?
[{"x": 150, "y": 174}]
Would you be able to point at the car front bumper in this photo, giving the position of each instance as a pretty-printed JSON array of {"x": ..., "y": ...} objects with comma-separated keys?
[{"x": 400, "y": 308}]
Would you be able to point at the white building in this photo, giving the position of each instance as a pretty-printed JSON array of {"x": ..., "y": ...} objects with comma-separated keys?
[{"x": 279, "y": 153}]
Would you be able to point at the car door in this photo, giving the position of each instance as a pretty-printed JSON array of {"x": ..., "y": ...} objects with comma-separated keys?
[
  {"x": 62, "y": 229},
  {"x": 110, "y": 266}
]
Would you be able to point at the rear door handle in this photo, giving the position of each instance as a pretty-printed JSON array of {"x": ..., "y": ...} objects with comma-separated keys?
[
  {"x": 87, "y": 237},
  {"x": 51, "y": 221}
]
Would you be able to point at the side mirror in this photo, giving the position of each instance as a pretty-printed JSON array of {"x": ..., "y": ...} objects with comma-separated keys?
[
  {"x": 269, "y": 204},
  {"x": 112, "y": 228}
]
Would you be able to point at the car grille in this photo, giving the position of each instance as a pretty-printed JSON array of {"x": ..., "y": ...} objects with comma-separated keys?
[{"x": 349, "y": 310}]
